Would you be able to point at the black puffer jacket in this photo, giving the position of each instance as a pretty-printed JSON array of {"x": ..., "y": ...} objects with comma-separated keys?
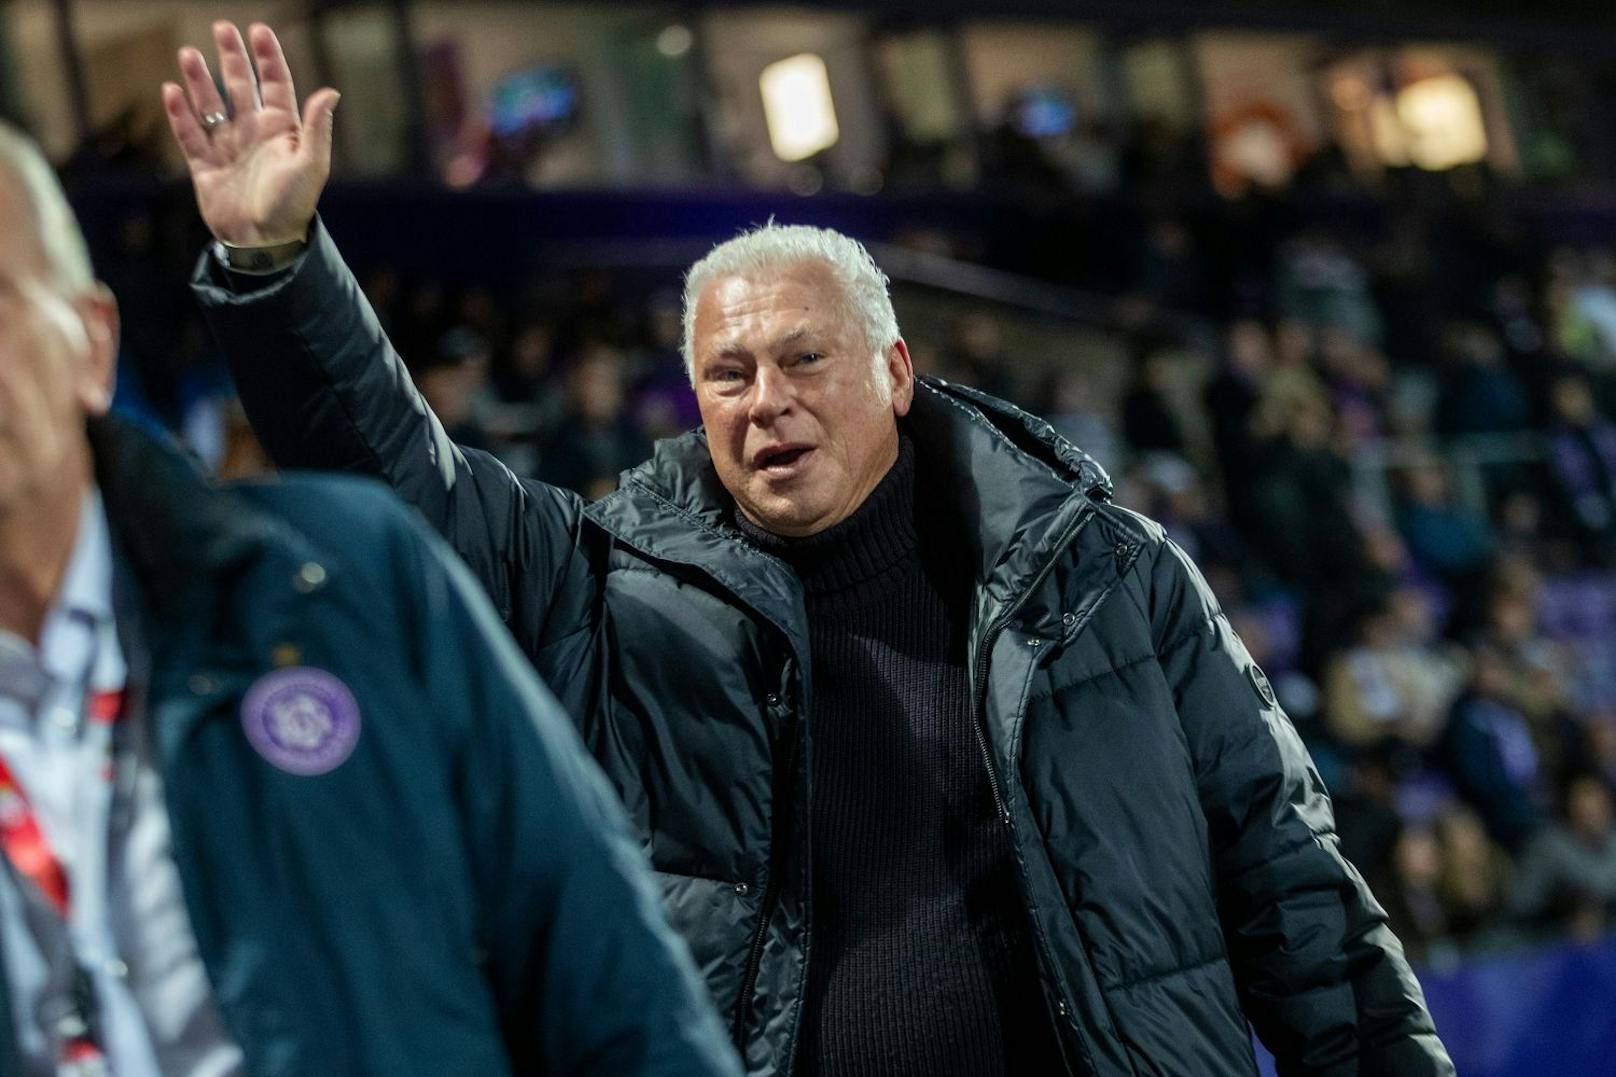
[{"x": 1173, "y": 844}]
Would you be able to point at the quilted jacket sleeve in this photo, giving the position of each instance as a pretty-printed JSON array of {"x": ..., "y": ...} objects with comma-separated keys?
[
  {"x": 325, "y": 389},
  {"x": 1321, "y": 977}
]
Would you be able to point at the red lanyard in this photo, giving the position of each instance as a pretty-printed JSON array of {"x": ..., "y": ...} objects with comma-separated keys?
[
  {"x": 23, "y": 842},
  {"x": 22, "y": 838}
]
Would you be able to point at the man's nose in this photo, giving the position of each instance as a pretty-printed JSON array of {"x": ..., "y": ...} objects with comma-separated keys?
[{"x": 771, "y": 396}]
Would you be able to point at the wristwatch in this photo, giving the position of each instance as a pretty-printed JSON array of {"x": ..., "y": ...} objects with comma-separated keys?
[{"x": 259, "y": 260}]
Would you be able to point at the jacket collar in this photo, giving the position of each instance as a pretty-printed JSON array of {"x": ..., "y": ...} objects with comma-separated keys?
[
  {"x": 1018, "y": 486},
  {"x": 175, "y": 532},
  {"x": 674, "y": 508},
  {"x": 1021, "y": 488}
]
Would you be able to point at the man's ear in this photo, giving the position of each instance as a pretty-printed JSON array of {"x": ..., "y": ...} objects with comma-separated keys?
[
  {"x": 902, "y": 371},
  {"x": 98, "y": 311}
]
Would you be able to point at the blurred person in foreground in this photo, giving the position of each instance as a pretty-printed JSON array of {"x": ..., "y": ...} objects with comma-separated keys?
[
  {"x": 276, "y": 793},
  {"x": 947, "y": 765}
]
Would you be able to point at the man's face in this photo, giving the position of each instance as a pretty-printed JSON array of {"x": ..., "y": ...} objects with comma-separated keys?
[
  {"x": 56, "y": 355},
  {"x": 802, "y": 424}
]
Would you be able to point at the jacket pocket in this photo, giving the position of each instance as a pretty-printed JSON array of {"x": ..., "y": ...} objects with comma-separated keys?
[
  {"x": 1187, "y": 1021},
  {"x": 715, "y": 918}
]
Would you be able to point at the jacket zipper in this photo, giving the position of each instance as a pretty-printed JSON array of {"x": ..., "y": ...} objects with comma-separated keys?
[
  {"x": 994, "y": 629},
  {"x": 754, "y": 957},
  {"x": 754, "y": 964},
  {"x": 755, "y": 953},
  {"x": 998, "y": 625},
  {"x": 987, "y": 759}
]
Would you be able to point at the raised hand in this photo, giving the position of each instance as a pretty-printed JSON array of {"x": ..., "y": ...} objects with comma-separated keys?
[{"x": 257, "y": 166}]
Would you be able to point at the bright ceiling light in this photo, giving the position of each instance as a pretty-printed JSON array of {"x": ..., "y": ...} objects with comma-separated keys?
[
  {"x": 798, "y": 108},
  {"x": 1442, "y": 119},
  {"x": 675, "y": 40}
]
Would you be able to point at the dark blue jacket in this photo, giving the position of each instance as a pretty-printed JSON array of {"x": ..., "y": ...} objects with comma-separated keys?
[{"x": 460, "y": 896}]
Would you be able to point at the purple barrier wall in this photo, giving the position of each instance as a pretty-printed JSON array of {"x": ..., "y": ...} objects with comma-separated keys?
[{"x": 1526, "y": 1014}]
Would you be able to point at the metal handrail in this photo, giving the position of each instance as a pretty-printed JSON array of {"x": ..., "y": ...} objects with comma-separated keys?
[
  {"x": 1466, "y": 458},
  {"x": 924, "y": 269},
  {"x": 1028, "y": 295}
]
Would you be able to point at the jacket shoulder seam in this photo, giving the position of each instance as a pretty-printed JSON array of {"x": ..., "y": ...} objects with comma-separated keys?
[{"x": 1129, "y": 521}]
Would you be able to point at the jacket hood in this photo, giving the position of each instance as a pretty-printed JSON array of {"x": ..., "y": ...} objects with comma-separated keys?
[
  {"x": 1032, "y": 435},
  {"x": 681, "y": 469},
  {"x": 1016, "y": 485},
  {"x": 1021, "y": 490},
  {"x": 172, "y": 527}
]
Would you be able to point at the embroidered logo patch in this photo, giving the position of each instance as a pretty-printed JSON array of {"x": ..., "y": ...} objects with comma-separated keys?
[{"x": 302, "y": 720}]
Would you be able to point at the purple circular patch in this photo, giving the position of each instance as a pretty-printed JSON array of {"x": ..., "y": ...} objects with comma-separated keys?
[{"x": 303, "y": 720}]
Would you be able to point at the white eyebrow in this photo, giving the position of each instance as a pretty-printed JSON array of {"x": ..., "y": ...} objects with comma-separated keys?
[{"x": 737, "y": 350}]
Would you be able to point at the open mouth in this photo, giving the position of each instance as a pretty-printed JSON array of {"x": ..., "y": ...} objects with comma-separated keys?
[{"x": 780, "y": 459}]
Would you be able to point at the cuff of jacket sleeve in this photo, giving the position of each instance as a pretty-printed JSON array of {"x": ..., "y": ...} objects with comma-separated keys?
[{"x": 215, "y": 285}]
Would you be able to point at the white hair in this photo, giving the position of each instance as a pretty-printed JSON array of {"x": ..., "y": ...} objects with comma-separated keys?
[
  {"x": 770, "y": 248},
  {"x": 55, "y": 226}
]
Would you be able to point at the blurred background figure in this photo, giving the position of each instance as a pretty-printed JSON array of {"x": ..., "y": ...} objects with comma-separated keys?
[
  {"x": 454, "y": 379},
  {"x": 1567, "y": 876},
  {"x": 1582, "y": 466},
  {"x": 596, "y": 438}
]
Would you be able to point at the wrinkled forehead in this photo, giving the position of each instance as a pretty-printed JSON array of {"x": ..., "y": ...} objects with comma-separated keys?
[{"x": 801, "y": 296}]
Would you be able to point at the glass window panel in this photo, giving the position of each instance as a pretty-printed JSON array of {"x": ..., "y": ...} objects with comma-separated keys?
[
  {"x": 373, "y": 123},
  {"x": 1003, "y": 62},
  {"x": 1156, "y": 77},
  {"x": 43, "y": 102},
  {"x": 932, "y": 135},
  {"x": 919, "y": 80},
  {"x": 651, "y": 58},
  {"x": 477, "y": 51},
  {"x": 1429, "y": 106},
  {"x": 128, "y": 50},
  {"x": 740, "y": 44},
  {"x": 1261, "y": 110}
]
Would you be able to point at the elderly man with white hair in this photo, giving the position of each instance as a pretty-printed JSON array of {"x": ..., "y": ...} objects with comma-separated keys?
[{"x": 946, "y": 764}]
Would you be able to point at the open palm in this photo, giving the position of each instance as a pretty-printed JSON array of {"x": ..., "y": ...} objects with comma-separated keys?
[{"x": 258, "y": 174}]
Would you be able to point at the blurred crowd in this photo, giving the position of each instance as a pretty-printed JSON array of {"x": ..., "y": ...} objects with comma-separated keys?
[
  {"x": 1385, "y": 437},
  {"x": 1404, "y": 493}
]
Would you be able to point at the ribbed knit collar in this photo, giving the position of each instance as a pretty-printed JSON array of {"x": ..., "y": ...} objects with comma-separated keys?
[{"x": 849, "y": 558}]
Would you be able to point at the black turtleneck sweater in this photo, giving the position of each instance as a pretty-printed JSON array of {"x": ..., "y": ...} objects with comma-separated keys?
[{"x": 921, "y": 961}]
